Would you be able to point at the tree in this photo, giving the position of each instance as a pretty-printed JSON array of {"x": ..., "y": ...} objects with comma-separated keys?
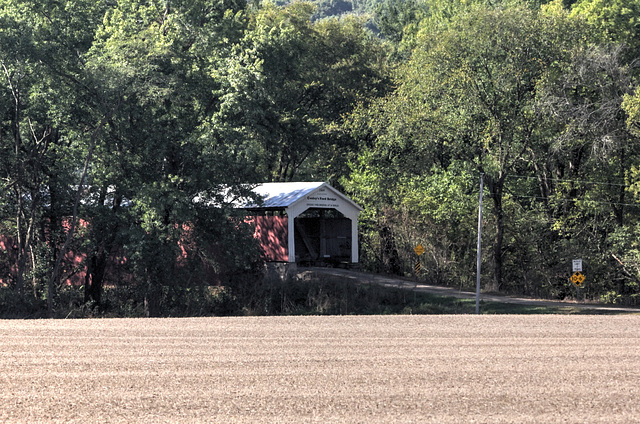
[
  {"x": 42, "y": 45},
  {"x": 392, "y": 17},
  {"x": 287, "y": 85},
  {"x": 586, "y": 101},
  {"x": 21, "y": 181},
  {"x": 617, "y": 21},
  {"x": 108, "y": 133},
  {"x": 591, "y": 150},
  {"x": 158, "y": 58},
  {"x": 466, "y": 99}
]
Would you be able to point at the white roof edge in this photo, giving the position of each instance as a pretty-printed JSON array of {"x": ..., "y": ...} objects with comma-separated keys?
[
  {"x": 344, "y": 196},
  {"x": 283, "y": 195}
]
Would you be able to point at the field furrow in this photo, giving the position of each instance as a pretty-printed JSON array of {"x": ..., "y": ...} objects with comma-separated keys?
[{"x": 440, "y": 369}]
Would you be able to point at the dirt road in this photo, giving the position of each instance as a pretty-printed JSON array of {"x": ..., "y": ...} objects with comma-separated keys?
[{"x": 390, "y": 281}]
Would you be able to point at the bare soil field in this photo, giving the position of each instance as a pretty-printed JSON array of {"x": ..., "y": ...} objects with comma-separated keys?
[{"x": 339, "y": 369}]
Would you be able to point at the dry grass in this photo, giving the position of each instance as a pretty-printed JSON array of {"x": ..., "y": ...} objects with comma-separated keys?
[{"x": 440, "y": 369}]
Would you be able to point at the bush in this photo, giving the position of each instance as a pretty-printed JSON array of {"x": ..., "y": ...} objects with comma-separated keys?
[
  {"x": 13, "y": 305},
  {"x": 328, "y": 296}
]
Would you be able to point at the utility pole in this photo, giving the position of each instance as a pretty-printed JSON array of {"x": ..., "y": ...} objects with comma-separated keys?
[{"x": 479, "y": 250}]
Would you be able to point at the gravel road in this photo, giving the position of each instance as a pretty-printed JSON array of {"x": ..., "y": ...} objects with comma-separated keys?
[{"x": 391, "y": 281}]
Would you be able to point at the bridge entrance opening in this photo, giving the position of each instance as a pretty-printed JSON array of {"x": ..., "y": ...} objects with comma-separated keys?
[{"x": 322, "y": 237}]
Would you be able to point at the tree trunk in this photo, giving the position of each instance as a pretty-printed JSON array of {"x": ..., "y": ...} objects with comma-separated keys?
[
  {"x": 389, "y": 251},
  {"x": 74, "y": 217},
  {"x": 153, "y": 298}
]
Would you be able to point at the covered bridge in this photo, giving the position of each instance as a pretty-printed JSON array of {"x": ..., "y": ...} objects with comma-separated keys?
[{"x": 307, "y": 223}]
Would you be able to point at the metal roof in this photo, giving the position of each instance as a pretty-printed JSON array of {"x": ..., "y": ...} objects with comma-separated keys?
[{"x": 282, "y": 195}]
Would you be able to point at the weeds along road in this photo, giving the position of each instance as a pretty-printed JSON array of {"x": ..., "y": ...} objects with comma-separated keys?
[
  {"x": 331, "y": 369},
  {"x": 406, "y": 284}
]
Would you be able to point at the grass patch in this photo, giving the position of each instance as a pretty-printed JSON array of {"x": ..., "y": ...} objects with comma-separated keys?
[
  {"x": 426, "y": 303},
  {"x": 338, "y": 296},
  {"x": 319, "y": 295},
  {"x": 508, "y": 308}
]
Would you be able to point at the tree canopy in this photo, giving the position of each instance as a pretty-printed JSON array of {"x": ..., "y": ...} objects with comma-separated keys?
[
  {"x": 532, "y": 99},
  {"x": 124, "y": 123}
]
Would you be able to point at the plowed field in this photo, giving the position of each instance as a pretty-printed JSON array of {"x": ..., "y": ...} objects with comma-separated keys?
[{"x": 364, "y": 369}]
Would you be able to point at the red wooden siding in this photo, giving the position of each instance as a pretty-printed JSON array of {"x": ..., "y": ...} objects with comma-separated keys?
[{"x": 272, "y": 232}]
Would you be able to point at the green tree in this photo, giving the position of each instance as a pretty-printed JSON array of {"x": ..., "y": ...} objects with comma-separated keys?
[
  {"x": 42, "y": 44},
  {"x": 108, "y": 130},
  {"x": 617, "y": 21},
  {"x": 287, "y": 85},
  {"x": 392, "y": 17},
  {"x": 467, "y": 99},
  {"x": 159, "y": 58},
  {"x": 591, "y": 143}
]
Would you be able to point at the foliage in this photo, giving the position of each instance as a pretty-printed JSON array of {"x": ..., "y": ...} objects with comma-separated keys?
[
  {"x": 523, "y": 97},
  {"x": 616, "y": 21},
  {"x": 14, "y": 305},
  {"x": 124, "y": 124},
  {"x": 465, "y": 101},
  {"x": 288, "y": 85}
]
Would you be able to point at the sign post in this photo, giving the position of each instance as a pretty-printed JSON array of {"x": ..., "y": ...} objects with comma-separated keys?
[
  {"x": 479, "y": 248},
  {"x": 577, "y": 265},
  {"x": 577, "y": 278},
  {"x": 419, "y": 249}
]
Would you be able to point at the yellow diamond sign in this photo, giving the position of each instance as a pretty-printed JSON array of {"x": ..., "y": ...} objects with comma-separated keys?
[
  {"x": 577, "y": 278},
  {"x": 419, "y": 249}
]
